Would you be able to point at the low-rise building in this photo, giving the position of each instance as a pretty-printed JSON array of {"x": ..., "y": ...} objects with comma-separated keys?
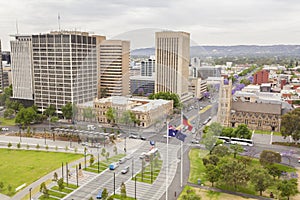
[{"x": 146, "y": 111}]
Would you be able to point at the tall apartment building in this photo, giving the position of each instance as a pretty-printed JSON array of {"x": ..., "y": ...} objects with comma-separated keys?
[
  {"x": 261, "y": 77},
  {"x": 22, "y": 69},
  {"x": 147, "y": 67},
  {"x": 1, "y": 69},
  {"x": 172, "y": 51},
  {"x": 114, "y": 68},
  {"x": 65, "y": 66}
]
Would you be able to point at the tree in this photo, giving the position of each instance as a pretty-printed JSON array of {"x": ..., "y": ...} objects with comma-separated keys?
[
  {"x": 167, "y": 96},
  {"x": 9, "y": 145},
  {"x": 123, "y": 191},
  {"x": 210, "y": 160},
  {"x": 260, "y": 179},
  {"x": 8, "y": 113},
  {"x": 221, "y": 151},
  {"x": 115, "y": 150},
  {"x": 1, "y": 186},
  {"x": 227, "y": 132},
  {"x": 104, "y": 194},
  {"x": 103, "y": 152},
  {"x": 19, "y": 145},
  {"x": 273, "y": 170},
  {"x": 9, "y": 188},
  {"x": 92, "y": 159},
  {"x": 55, "y": 176},
  {"x": 107, "y": 155},
  {"x": 242, "y": 131},
  {"x": 50, "y": 111},
  {"x": 212, "y": 174},
  {"x": 44, "y": 190},
  {"x": 103, "y": 92},
  {"x": 111, "y": 115},
  {"x": 26, "y": 116},
  {"x": 67, "y": 110},
  {"x": 60, "y": 184},
  {"x": 288, "y": 188},
  {"x": 290, "y": 125},
  {"x": 88, "y": 113},
  {"x": 245, "y": 81},
  {"x": 234, "y": 173},
  {"x": 236, "y": 148},
  {"x": 269, "y": 157}
]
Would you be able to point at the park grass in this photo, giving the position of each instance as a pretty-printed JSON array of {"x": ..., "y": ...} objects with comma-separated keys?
[
  {"x": 55, "y": 192},
  {"x": 267, "y": 132},
  {"x": 212, "y": 195},
  {"x": 20, "y": 166},
  {"x": 196, "y": 165},
  {"x": 147, "y": 173},
  {"x": 7, "y": 122},
  {"x": 104, "y": 164}
]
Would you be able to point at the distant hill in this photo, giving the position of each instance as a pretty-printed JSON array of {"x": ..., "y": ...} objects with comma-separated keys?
[{"x": 233, "y": 51}]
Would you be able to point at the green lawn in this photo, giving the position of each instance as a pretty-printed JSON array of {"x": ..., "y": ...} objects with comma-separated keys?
[
  {"x": 55, "y": 192},
  {"x": 267, "y": 132},
  {"x": 118, "y": 196},
  {"x": 147, "y": 173},
  {"x": 7, "y": 122},
  {"x": 196, "y": 165},
  {"x": 103, "y": 163},
  {"x": 20, "y": 166}
]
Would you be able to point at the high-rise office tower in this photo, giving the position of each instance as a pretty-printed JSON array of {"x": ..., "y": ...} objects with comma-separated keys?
[
  {"x": 114, "y": 68},
  {"x": 172, "y": 51},
  {"x": 65, "y": 66},
  {"x": 22, "y": 69},
  {"x": 147, "y": 67},
  {"x": 1, "y": 69}
]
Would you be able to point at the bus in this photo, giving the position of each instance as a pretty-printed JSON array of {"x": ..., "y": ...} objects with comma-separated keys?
[
  {"x": 151, "y": 152},
  {"x": 226, "y": 140},
  {"x": 241, "y": 141}
]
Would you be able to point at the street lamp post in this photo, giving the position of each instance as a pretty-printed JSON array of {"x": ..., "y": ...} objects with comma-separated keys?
[
  {"x": 114, "y": 183},
  {"x": 84, "y": 157},
  {"x": 30, "y": 193}
]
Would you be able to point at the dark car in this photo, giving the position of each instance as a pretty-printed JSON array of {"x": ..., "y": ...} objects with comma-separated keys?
[{"x": 142, "y": 138}]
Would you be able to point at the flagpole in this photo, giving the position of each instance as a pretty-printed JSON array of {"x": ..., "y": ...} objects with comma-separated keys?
[
  {"x": 167, "y": 162},
  {"x": 181, "y": 157}
]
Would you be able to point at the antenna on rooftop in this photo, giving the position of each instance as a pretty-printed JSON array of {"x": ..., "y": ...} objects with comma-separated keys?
[
  {"x": 17, "y": 27},
  {"x": 58, "y": 18}
]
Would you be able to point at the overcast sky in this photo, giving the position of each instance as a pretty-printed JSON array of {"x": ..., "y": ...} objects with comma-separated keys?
[{"x": 210, "y": 22}]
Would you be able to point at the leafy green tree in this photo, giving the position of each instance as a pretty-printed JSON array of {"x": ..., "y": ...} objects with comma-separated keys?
[
  {"x": 88, "y": 113},
  {"x": 67, "y": 110},
  {"x": 242, "y": 131},
  {"x": 227, "y": 131},
  {"x": 37, "y": 146},
  {"x": 260, "y": 179},
  {"x": 234, "y": 173},
  {"x": 54, "y": 119},
  {"x": 274, "y": 170},
  {"x": 288, "y": 188},
  {"x": 115, "y": 150},
  {"x": 50, "y": 111},
  {"x": 111, "y": 115},
  {"x": 9, "y": 145},
  {"x": 103, "y": 152},
  {"x": 269, "y": 157},
  {"x": 44, "y": 190},
  {"x": 236, "y": 148},
  {"x": 245, "y": 81},
  {"x": 123, "y": 191},
  {"x": 221, "y": 151},
  {"x": 104, "y": 194},
  {"x": 211, "y": 160},
  {"x": 190, "y": 195},
  {"x": 8, "y": 113},
  {"x": 60, "y": 184},
  {"x": 19, "y": 145},
  {"x": 26, "y": 116},
  {"x": 167, "y": 96},
  {"x": 92, "y": 159},
  {"x": 9, "y": 188},
  {"x": 107, "y": 155},
  {"x": 212, "y": 173},
  {"x": 1, "y": 186},
  {"x": 290, "y": 125}
]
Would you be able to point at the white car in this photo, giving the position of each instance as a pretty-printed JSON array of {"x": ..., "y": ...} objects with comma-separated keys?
[{"x": 5, "y": 129}]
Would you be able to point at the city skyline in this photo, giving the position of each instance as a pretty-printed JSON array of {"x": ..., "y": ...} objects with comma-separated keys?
[{"x": 213, "y": 22}]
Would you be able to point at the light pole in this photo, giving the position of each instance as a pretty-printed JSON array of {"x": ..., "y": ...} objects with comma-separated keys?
[
  {"x": 30, "y": 193},
  {"x": 114, "y": 183}
]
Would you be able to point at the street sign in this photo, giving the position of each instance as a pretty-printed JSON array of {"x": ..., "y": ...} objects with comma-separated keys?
[{"x": 152, "y": 143}]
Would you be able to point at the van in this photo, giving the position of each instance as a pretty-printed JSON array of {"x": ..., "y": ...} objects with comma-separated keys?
[
  {"x": 113, "y": 166},
  {"x": 122, "y": 160}
]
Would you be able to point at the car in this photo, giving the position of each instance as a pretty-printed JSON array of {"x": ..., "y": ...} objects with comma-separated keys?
[
  {"x": 5, "y": 129},
  {"x": 99, "y": 195},
  {"x": 113, "y": 166},
  {"x": 201, "y": 108},
  {"x": 125, "y": 170},
  {"x": 122, "y": 160},
  {"x": 133, "y": 136},
  {"x": 142, "y": 138},
  {"x": 298, "y": 160},
  {"x": 142, "y": 156},
  {"x": 195, "y": 141}
]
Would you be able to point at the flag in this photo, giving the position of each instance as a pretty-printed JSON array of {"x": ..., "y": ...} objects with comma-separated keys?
[
  {"x": 186, "y": 122},
  {"x": 172, "y": 131},
  {"x": 180, "y": 136}
]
